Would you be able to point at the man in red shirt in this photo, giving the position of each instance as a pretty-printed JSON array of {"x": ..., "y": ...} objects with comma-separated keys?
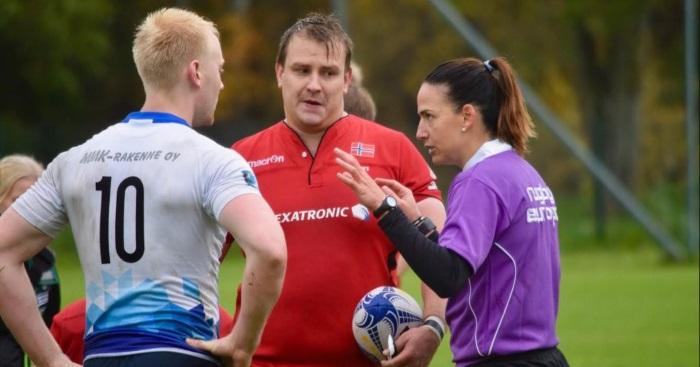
[{"x": 336, "y": 251}]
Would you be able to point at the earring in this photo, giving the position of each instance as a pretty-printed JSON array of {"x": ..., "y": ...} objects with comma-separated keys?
[{"x": 464, "y": 129}]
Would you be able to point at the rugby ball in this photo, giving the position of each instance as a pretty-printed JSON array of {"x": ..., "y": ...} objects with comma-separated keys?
[{"x": 383, "y": 311}]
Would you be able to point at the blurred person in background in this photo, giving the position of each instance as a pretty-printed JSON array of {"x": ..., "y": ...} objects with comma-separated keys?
[
  {"x": 17, "y": 173},
  {"x": 358, "y": 100},
  {"x": 149, "y": 201},
  {"x": 497, "y": 258},
  {"x": 334, "y": 257}
]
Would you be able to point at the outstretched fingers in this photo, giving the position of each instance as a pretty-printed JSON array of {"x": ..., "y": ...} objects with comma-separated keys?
[
  {"x": 356, "y": 178},
  {"x": 387, "y": 190},
  {"x": 350, "y": 164},
  {"x": 395, "y": 186},
  {"x": 346, "y": 157},
  {"x": 346, "y": 178},
  {"x": 353, "y": 170}
]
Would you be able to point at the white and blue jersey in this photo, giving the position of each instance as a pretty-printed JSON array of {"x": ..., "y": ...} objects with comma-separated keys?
[{"x": 143, "y": 198}]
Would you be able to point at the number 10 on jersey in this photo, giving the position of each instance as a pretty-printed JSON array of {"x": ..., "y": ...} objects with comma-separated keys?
[{"x": 105, "y": 187}]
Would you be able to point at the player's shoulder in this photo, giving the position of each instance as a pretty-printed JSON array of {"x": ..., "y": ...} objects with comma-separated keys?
[
  {"x": 90, "y": 144},
  {"x": 373, "y": 126},
  {"x": 213, "y": 152},
  {"x": 202, "y": 142},
  {"x": 494, "y": 165},
  {"x": 377, "y": 131},
  {"x": 262, "y": 138},
  {"x": 496, "y": 171},
  {"x": 262, "y": 135}
]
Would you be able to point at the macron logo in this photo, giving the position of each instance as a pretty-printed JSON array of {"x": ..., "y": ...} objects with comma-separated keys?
[{"x": 273, "y": 159}]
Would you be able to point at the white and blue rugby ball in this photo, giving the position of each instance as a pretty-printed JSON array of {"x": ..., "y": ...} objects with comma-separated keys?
[{"x": 383, "y": 311}]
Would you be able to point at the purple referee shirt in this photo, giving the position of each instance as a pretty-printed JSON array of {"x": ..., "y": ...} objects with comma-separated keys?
[{"x": 502, "y": 218}]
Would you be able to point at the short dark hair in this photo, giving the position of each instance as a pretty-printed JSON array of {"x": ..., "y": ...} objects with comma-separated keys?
[{"x": 319, "y": 27}]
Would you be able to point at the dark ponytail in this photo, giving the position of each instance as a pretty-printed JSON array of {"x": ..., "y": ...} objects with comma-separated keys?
[{"x": 491, "y": 87}]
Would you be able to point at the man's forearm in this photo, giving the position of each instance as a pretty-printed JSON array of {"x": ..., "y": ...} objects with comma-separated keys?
[
  {"x": 261, "y": 287},
  {"x": 252, "y": 222}
]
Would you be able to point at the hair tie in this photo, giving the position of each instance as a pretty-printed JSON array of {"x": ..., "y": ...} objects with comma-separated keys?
[{"x": 487, "y": 65}]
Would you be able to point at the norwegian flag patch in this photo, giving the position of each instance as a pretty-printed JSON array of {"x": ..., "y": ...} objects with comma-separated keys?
[{"x": 362, "y": 149}]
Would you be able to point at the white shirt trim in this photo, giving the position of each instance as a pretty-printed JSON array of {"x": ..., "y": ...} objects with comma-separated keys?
[
  {"x": 476, "y": 319},
  {"x": 510, "y": 296},
  {"x": 488, "y": 149},
  {"x": 505, "y": 309}
]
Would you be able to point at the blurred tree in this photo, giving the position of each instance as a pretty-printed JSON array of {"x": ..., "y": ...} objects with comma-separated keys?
[
  {"x": 49, "y": 50},
  {"x": 69, "y": 71},
  {"x": 397, "y": 43},
  {"x": 663, "y": 149},
  {"x": 72, "y": 71},
  {"x": 602, "y": 52},
  {"x": 610, "y": 50}
]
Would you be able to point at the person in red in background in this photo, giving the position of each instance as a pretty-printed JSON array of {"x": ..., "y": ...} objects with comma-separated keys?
[{"x": 68, "y": 328}]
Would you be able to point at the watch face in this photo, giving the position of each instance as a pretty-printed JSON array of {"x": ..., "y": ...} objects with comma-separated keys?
[{"x": 388, "y": 204}]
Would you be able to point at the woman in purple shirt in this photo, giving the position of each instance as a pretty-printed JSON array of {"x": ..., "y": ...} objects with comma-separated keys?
[{"x": 497, "y": 259}]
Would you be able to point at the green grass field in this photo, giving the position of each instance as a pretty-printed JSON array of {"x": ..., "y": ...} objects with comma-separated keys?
[{"x": 620, "y": 307}]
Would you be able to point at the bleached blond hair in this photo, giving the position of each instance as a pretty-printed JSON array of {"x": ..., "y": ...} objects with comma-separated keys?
[
  {"x": 16, "y": 167},
  {"x": 166, "y": 41}
]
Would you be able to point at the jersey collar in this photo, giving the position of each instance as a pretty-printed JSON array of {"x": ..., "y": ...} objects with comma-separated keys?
[
  {"x": 488, "y": 149},
  {"x": 155, "y": 117},
  {"x": 334, "y": 130},
  {"x": 333, "y": 125}
]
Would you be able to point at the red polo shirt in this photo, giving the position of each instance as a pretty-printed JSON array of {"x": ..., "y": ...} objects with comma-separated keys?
[{"x": 333, "y": 257}]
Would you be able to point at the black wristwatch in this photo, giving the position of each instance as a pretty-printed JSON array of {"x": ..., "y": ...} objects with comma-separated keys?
[{"x": 388, "y": 204}]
